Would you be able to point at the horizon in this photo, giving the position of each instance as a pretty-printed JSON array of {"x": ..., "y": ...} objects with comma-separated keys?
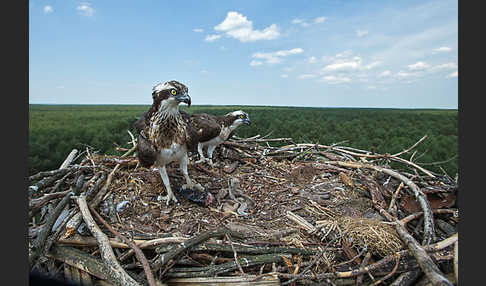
[
  {"x": 326, "y": 54},
  {"x": 245, "y": 105}
]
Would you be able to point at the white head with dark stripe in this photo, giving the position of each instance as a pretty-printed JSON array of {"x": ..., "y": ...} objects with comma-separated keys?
[
  {"x": 168, "y": 95},
  {"x": 238, "y": 117}
]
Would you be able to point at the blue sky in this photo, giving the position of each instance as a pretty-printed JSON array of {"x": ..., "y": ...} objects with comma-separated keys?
[{"x": 350, "y": 53}]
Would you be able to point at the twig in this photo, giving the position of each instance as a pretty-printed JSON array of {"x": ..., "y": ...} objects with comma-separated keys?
[
  {"x": 372, "y": 267},
  {"x": 235, "y": 255},
  {"x": 397, "y": 262},
  {"x": 425, "y": 262},
  {"x": 68, "y": 159},
  {"x": 411, "y": 217},
  {"x": 410, "y": 148},
  {"x": 177, "y": 250},
  {"x": 429, "y": 228},
  {"x": 314, "y": 261},
  {"x": 365, "y": 261},
  {"x": 76, "y": 220},
  {"x": 116, "y": 274},
  {"x": 46, "y": 229},
  {"x": 140, "y": 256},
  {"x": 394, "y": 197},
  {"x": 406, "y": 278}
]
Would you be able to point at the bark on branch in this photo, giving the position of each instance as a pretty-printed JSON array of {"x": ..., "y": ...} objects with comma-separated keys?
[{"x": 115, "y": 274}]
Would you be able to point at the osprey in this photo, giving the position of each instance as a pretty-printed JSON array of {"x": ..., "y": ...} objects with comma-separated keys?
[
  {"x": 165, "y": 136},
  {"x": 213, "y": 130}
]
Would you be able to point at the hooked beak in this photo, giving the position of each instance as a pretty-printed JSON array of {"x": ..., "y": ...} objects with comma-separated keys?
[
  {"x": 247, "y": 121},
  {"x": 184, "y": 98}
]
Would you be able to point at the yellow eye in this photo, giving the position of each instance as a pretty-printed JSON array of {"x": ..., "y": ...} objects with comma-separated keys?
[
  {"x": 242, "y": 116},
  {"x": 173, "y": 92}
]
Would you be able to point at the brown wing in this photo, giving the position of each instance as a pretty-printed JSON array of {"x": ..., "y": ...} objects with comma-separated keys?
[
  {"x": 205, "y": 125},
  {"x": 140, "y": 124},
  {"x": 146, "y": 153}
]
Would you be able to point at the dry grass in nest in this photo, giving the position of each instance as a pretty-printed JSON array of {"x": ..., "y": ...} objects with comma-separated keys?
[{"x": 378, "y": 237}]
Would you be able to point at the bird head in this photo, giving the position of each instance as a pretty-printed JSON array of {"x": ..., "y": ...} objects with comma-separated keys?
[
  {"x": 171, "y": 93},
  {"x": 239, "y": 117}
]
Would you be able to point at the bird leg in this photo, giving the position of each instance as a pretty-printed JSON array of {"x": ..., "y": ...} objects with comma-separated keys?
[
  {"x": 201, "y": 154},
  {"x": 190, "y": 184},
  {"x": 170, "y": 195},
  {"x": 210, "y": 154}
]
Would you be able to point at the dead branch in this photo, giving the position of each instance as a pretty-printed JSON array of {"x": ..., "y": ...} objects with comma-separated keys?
[
  {"x": 406, "y": 278},
  {"x": 429, "y": 229},
  {"x": 428, "y": 266},
  {"x": 76, "y": 220},
  {"x": 69, "y": 159},
  {"x": 115, "y": 274},
  {"x": 80, "y": 260},
  {"x": 177, "y": 250},
  {"x": 51, "y": 219},
  {"x": 140, "y": 256},
  {"x": 209, "y": 271},
  {"x": 410, "y": 148}
]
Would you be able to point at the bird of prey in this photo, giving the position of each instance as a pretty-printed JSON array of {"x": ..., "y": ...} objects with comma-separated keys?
[
  {"x": 213, "y": 130},
  {"x": 164, "y": 136}
]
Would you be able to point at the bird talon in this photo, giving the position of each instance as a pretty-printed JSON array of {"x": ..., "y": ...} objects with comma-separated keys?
[
  {"x": 202, "y": 160},
  {"x": 192, "y": 186},
  {"x": 168, "y": 198}
]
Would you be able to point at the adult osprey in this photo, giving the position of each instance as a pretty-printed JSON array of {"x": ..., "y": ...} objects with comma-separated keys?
[
  {"x": 165, "y": 136},
  {"x": 213, "y": 130}
]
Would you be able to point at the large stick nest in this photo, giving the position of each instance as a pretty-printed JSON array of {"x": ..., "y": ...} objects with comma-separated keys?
[{"x": 298, "y": 196}]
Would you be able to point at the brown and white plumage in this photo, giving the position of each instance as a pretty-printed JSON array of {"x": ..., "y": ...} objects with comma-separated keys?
[
  {"x": 164, "y": 135},
  {"x": 213, "y": 130}
]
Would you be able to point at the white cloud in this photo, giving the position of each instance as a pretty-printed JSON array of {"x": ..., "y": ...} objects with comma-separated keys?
[
  {"x": 371, "y": 65},
  {"x": 351, "y": 65},
  {"x": 288, "y": 69},
  {"x": 320, "y": 20},
  {"x": 60, "y": 86},
  {"x": 452, "y": 75},
  {"x": 197, "y": 30},
  {"x": 237, "y": 26},
  {"x": 306, "y": 76},
  {"x": 284, "y": 76},
  {"x": 402, "y": 74},
  {"x": 344, "y": 65},
  {"x": 85, "y": 9},
  {"x": 212, "y": 38},
  {"x": 338, "y": 56},
  {"x": 385, "y": 73},
  {"x": 361, "y": 33},
  {"x": 331, "y": 79},
  {"x": 442, "y": 50},
  {"x": 297, "y": 21},
  {"x": 418, "y": 66},
  {"x": 254, "y": 63},
  {"x": 276, "y": 57},
  {"x": 312, "y": 60},
  {"x": 300, "y": 22},
  {"x": 48, "y": 9},
  {"x": 446, "y": 66}
]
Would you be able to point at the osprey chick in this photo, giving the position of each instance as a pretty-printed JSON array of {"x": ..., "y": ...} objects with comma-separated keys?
[
  {"x": 164, "y": 136},
  {"x": 213, "y": 130}
]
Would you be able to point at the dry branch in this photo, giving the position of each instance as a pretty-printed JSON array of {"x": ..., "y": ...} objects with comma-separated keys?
[
  {"x": 140, "y": 256},
  {"x": 179, "y": 249},
  {"x": 69, "y": 159},
  {"x": 429, "y": 229},
  {"x": 115, "y": 274},
  {"x": 426, "y": 263}
]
